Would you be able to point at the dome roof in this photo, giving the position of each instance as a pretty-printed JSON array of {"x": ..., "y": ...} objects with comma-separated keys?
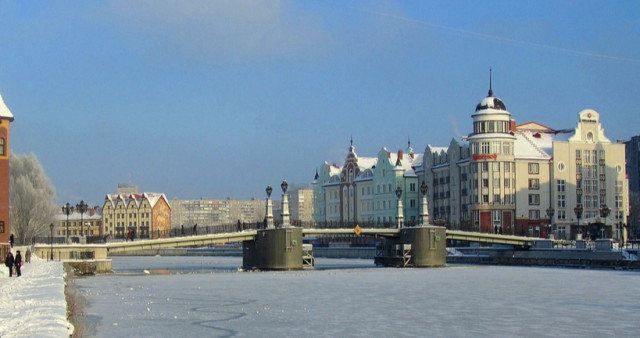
[{"x": 491, "y": 102}]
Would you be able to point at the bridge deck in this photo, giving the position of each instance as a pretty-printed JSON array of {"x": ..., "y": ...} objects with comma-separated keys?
[{"x": 174, "y": 242}]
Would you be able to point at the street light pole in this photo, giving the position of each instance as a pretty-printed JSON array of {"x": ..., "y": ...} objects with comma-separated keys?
[
  {"x": 285, "y": 204},
  {"x": 578, "y": 210},
  {"x": 604, "y": 213},
  {"x": 66, "y": 209},
  {"x": 51, "y": 239},
  {"x": 550, "y": 212},
  {"x": 425, "y": 206},
  {"x": 82, "y": 207},
  {"x": 399, "y": 216}
]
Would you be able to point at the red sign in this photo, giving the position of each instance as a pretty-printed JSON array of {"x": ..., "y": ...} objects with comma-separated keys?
[{"x": 485, "y": 157}]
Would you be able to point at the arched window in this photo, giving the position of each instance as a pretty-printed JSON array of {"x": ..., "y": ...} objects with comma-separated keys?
[{"x": 2, "y": 152}]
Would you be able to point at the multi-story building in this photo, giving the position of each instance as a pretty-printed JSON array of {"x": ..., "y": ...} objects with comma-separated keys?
[
  {"x": 77, "y": 225},
  {"x": 301, "y": 205},
  {"x": 633, "y": 163},
  {"x": 364, "y": 189},
  {"x": 525, "y": 179},
  {"x": 205, "y": 212},
  {"x": 148, "y": 215},
  {"x": 5, "y": 120}
]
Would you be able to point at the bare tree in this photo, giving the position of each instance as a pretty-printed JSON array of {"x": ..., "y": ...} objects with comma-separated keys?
[{"x": 31, "y": 197}]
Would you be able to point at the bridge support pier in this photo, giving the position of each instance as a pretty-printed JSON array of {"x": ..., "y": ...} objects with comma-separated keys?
[
  {"x": 422, "y": 246},
  {"x": 274, "y": 249}
]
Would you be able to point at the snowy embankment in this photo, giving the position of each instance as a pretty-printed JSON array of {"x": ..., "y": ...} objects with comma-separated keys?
[{"x": 34, "y": 305}]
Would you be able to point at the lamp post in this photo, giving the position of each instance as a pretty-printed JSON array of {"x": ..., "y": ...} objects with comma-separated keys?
[
  {"x": 604, "y": 213},
  {"x": 425, "y": 206},
  {"x": 550, "y": 212},
  {"x": 400, "y": 217},
  {"x": 82, "y": 208},
  {"x": 51, "y": 239},
  {"x": 66, "y": 209},
  {"x": 269, "y": 212},
  {"x": 578, "y": 210},
  {"x": 285, "y": 204}
]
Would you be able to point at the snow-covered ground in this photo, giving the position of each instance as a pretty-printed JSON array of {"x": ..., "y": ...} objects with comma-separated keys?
[{"x": 34, "y": 305}]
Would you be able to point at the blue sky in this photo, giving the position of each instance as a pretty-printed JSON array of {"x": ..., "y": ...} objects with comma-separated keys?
[{"x": 218, "y": 99}]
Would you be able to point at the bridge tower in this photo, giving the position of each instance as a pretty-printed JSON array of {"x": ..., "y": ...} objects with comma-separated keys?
[{"x": 5, "y": 119}]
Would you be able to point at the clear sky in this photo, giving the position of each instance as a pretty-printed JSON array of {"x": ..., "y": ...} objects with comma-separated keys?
[{"x": 219, "y": 99}]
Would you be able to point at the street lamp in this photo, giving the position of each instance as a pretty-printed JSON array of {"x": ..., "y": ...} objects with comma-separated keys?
[
  {"x": 400, "y": 216},
  {"x": 604, "y": 213},
  {"x": 285, "y": 203},
  {"x": 425, "y": 207},
  {"x": 550, "y": 212},
  {"x": 578, "y": 210},
  {"x": 51, "y": 239},
  {"x": 66, "y": 209},
  {"x": 269, "y": 212},
  {"x": 82, "y": 208}
]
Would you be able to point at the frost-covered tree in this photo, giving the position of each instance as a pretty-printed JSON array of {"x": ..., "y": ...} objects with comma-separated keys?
[{"x": 31, "y": 197}]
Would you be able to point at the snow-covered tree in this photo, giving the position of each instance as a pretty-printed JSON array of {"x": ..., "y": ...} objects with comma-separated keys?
[{"x": 31, "y": 197}]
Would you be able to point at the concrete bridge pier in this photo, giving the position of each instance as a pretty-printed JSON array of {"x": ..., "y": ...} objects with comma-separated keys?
[
  {"x": 422, "y": 246},
  {"x": 274, "y": 249},
  {"x": 428, "y": 245}
]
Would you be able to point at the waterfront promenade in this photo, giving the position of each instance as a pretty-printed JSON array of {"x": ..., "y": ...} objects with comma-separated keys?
[{"x": 34, "y": 305}]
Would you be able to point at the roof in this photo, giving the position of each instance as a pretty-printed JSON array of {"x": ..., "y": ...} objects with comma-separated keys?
[
  {"x": 153, "y": 198},
  {"x": 5, "y": 113}
]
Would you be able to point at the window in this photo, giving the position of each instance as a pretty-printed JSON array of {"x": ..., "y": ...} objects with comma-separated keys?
[
  {"x": 412, "y": 187},
  {"x": 485, "y": 147},
  {"x": 485, "y": 167},
  {"x": 2, "y": 150},
  {"x": 534, "y": 184},
  {"x": 485, "y": 198},
  {"x": 495, "y": 147},
  {"x": 485, "y": 182},
  {"x": 496, "y": 166},
  {"x": 534, "y": 168},
  {"x": 561, "y": 185},
  {"x": 496, "y": 199},
  {"x": 618, "y": 201},
  {"x": 561, "y": 214},
  {"x": 496, "y": 183},
  {"x": 534, "y": 199},
  {"x": 506, "y": 148},
  {"x": 1, "y": 227},
  {"x": 618, "y": 187},
  {"x": 507, "y": 167},
  {"x": 561, "y": 201},
  {"x": 534, "y": 214},
  {"x": 506, "y": 182}
]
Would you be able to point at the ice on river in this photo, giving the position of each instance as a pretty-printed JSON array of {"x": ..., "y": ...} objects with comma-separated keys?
[{"x": 354, "y": 298}]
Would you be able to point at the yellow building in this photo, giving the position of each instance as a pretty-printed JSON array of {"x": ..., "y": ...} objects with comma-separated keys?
[
  {"x": 146, "y": 215},
  {"x": 89, "y": 224}
]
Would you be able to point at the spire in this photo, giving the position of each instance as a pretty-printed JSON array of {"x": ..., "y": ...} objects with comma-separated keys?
[
  {"x": 351, "y": 148},
  {"x": 490, "y": 91}
]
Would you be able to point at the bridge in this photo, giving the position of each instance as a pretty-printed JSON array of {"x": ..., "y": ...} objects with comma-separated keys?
[{"x": 282, "y": 249}]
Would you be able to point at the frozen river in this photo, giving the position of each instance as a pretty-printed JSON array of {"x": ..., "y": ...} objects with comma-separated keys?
[{"x": 207, "y": 297}]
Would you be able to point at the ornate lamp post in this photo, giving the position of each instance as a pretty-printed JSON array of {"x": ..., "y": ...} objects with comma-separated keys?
[
  {"x": 550, "y": 212},
  {"x": 285, "y": 204},
  {"x": 604, "y": 213},
  {"x": 82, "y": 208},
  {"x": 425, "y": 207},
  {"x": 51, "y": 239},
  {"x": 269, "y": 213},
  {"x": 66, "y": 209},
  {"x": 578, "y": 210},
  {"x": 400, "y": 217}
]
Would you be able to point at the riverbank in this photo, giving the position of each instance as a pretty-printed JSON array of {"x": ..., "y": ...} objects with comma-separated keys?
[{"x": 34, "y": 304}]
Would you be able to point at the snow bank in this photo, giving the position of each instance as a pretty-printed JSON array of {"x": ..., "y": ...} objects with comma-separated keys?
[{"x": 34, "y": 305}]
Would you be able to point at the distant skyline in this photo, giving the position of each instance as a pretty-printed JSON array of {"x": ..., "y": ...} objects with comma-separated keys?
[{"x": 219, "y": 99}]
